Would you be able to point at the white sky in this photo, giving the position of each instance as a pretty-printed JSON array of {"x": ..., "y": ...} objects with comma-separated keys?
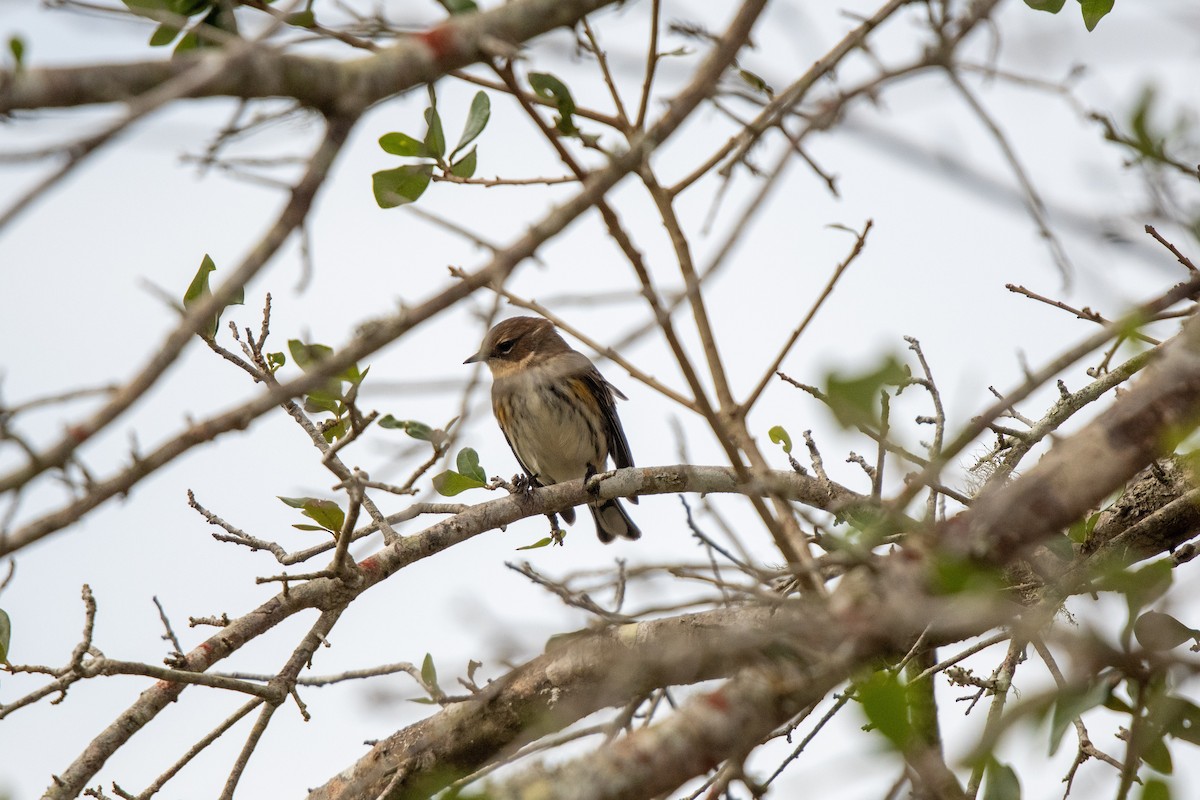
[{"x": 77, "y": 313}]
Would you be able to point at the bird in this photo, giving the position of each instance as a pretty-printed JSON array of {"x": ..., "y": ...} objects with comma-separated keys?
[{"x": 558, "y": 414}]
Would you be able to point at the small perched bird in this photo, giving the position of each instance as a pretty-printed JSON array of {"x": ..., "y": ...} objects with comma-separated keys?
[{"x": 557, "y": 412}]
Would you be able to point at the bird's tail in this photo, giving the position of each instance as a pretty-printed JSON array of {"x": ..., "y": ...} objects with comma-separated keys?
[{"x": 612, "y": 521}]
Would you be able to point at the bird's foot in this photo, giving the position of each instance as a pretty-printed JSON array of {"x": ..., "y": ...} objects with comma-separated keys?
[
  {"x": 557, "y": 534},
  {"x": 593, "y": 479},
  {"x": 520, "y": 484}
]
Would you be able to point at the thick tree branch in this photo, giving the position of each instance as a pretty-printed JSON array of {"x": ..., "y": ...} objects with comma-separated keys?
[
  {"x": 566, "y": 684},
  {"x": 326, "y": 593},
  {"x": 877, "y": 609},
  {"x": 336, "y": 88},
  {"x": 1077, "y": 474}
]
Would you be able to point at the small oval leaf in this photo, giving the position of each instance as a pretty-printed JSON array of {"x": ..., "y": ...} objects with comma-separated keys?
[
  {"x": 1094, "y": 11},
  {"x": 5, "y": 635},
  {"x": 477, "y": 120},
  {"x": 401, "y": 144},
  {"x": 780, "y": 436},
  {"x": 429, "y": 671},
  {"x": 1001, "y": 782},
  {"x": 435, "y": 139},
  {"x": 1052, "y": 6},
  {"x": 415, "y": 429},
  {"x": 465, "y": 166},
  {"x": 885, "y": 702},
  {"x": 402, "y": 185},
  {"x": 450, "y": 483},
  {"x": 537, "y": 544},
  {"x": 163, "y": 35},
  {"x": 1158, "y": 631},
  {"x": 468, "y": 464}
]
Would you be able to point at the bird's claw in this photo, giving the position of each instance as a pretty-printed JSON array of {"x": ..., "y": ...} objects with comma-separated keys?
[
  {"x": 593, "y": 479},
  {"x": 520, "y": 484},
  {"x": 557, "y": 534}
]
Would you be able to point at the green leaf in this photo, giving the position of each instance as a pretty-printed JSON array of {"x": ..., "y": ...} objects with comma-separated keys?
[
  {"x": 854, "y": 399},
  {"x": 325, "y": 513},
  {"x": 401, "y": 144},
  {"x": 450, "y": 483},
  {"x": 1060, "y": 545},
  {"x": 198, "y": 291},
  {"x": 1185, "y": 722},
  {"x": 1157, "y": 756},
  {"x": 756, "y": 82},
  {"x": 335, "y": 431},
  {"x": 353, "y": 375},
  {"x": 1147, "y": 141},
  {"x": 1071, "y": 703},
  {"x": 960, "y": 575},
  {"x": 465, "y": 166},
  {"x": 435, "y": 138},
  {"x": 1158, "y": 631},
  {"x": 429, "y": 671},
  {"x": 302, "y": 19},
  {"x": 459, "y": 6},
  {"x": 319, "y": 402},
  {"x": 221, "y": 17},
  {"x": 16, "y": 46},
  {"x": 295, "y": 502},
  {"x": 1053, "y": 6},
  {"x": 477, "y": 120},
  {"x": 417, "y": 430},
  {"x": 402, "y": 185},
  {"x": 306, "y": 356},
  {"x": 1141, "y": 587},
  {"x": 163, "y": 35},
  {"x": 1115, "y": 703},
  {"x": 148, "y": 7},
  {"x": 5, "y": 635},
  {"x": 884, "y": 700},
  {"x": 1094, "y": 11},
  {"x": 1000, "y": 782},
  {"x": 1154, "y": 789},
  {"x": 539, "y": 543},
  {"x": 275, "y": 361},
  {"x": 780, "y": 436},
  {"x": 551, "y": 88},
  {"x": 330, "y": 397},
  {"x": 1082, "y": 530},
  {"x": 189, "y": 41},
  {"x": 198, "y": 288},
  {"x": 188, "y": 8},
  {"x": 468, "y": 464},
  {"x": 325, "y": 400}
]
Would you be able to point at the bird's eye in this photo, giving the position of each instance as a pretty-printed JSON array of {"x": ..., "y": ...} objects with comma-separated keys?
[{"x": 505, "y": 346}]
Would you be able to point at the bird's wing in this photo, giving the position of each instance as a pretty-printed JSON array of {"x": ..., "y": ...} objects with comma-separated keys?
[{"x": 605, "y": 393}]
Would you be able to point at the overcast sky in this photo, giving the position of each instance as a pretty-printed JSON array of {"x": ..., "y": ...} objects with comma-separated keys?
[{"x": 76, "y": 270}]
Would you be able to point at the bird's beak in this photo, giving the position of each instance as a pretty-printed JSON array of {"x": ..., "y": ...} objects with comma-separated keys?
[{"x": 475, "y": 358}]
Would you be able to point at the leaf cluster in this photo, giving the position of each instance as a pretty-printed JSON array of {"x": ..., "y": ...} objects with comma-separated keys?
[
  {"x": 405, "y": 184},
  {"x": 1093, "y": 10}
]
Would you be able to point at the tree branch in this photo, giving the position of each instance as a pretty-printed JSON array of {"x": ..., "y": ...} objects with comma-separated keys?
[{"x": 336, "y": 88}]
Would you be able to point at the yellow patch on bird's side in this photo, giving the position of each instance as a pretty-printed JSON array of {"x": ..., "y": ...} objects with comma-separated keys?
[{"x": 580, "y": 390}]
